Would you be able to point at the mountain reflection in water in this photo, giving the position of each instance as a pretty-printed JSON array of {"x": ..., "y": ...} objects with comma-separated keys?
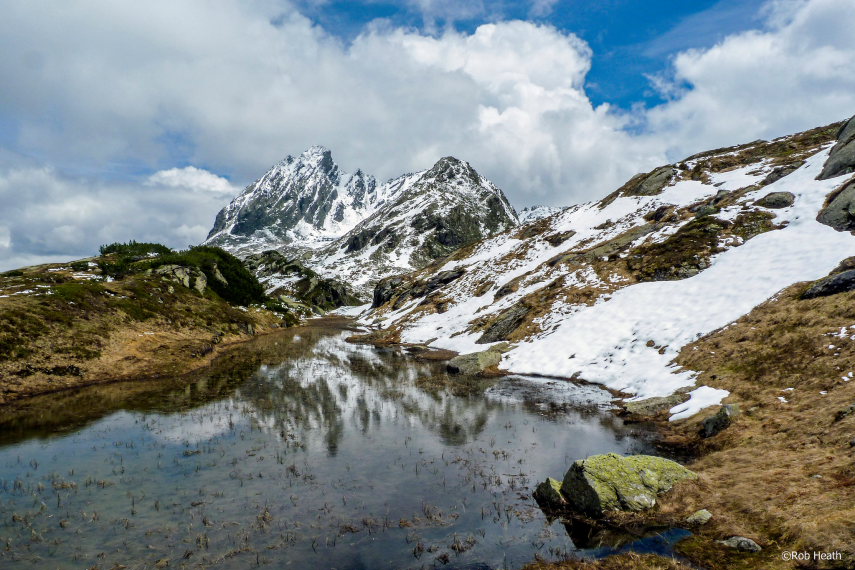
[{"x": 299, "y": 449}]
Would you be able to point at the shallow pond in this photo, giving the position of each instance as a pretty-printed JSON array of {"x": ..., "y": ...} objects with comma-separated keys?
[{"x": 300, "y": 450}]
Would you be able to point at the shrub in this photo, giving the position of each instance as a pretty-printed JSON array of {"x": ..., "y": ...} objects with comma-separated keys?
[
  {"x": 135, "y": 249},
  {"x": 241, "y": 287}
]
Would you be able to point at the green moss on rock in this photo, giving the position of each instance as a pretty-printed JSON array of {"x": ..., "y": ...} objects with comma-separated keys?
[{"x": 610, "y": 482}]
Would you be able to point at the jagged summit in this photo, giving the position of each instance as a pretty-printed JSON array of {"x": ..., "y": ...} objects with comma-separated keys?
[{"x": 349, "y": 226}]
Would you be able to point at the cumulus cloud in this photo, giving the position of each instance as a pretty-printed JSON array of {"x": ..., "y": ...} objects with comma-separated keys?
[
  {"x": 241, "y": 86},
  {"x": 191, "y": 178},
  {"x": 49, "y": 217},
  {"x": 123, "y": 88},
  {"x": 796, "y": 74}
]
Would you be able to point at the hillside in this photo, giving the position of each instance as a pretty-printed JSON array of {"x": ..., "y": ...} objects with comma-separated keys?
[
  {"x": 610, "y": 291},
  {"x": 135, "y": 311},
  {"x": 723, "y": 278}
]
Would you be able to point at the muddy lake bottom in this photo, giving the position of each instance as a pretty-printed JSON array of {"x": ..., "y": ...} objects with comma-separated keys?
[{"x": 301, "y": 450}]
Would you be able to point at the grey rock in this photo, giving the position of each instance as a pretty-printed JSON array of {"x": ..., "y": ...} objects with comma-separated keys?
[
  {"x": 699, "y": 518},
  {"x": 386, "y": 289},
  {"x": 507, "y": 322},
  {"x": 475, "y": 362},
  {"x": 706, "y": 210},
  {"x": 610, "y": 482},
  {"x": 844, "y": 413},
  {"x": 651, "y": 184},
  {"x": 840, "y": 211},
  {"x": 720, "y": 421},
  {"x": 741, "y": 543},
  {"x": 839, "y": 283},
  {"x": 548, "y": 495},
  {"x": 776, "y": 200},
  {"x": 841, "y": 159},
  {"x": 189, "y": 277},
  {"x": 652, "y": 406},
  {"x": 780, "y": 172}
]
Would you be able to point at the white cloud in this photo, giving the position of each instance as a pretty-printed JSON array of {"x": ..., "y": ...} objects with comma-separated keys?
[
  {"x": 540, "y": 8},
  {"x": 48, "y": 217},
  {"x": 191, "y": 178},
  {"x": 99, "y": 83},
  {"x": 798, "y": 73}
]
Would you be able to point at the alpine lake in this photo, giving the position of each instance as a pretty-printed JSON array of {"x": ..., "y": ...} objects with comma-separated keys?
[{"x": 302, "y": 450}]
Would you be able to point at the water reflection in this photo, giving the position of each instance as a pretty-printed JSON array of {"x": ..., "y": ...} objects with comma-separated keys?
[{"x": 301, "y": 449}]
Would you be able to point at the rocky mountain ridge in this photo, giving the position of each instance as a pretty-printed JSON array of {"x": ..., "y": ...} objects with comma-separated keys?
[
  {"x": 347, "y": 227},
  {"x": 610, "y": 291}
]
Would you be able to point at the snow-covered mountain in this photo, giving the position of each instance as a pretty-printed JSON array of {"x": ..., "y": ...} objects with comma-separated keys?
[
  {"x": 347, "y": 227},
  {"x": 302, "y": 202},
  {"x": 610, "y": 291},
  {"x": 534, "y": 213}
]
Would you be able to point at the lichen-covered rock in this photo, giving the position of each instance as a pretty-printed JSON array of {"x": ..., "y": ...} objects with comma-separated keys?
[
  {"x": 776, "y": 200},
  {"x": 841, "y": 159},
  {"x": 652, "y": 406},
  {"x": 741, "y": 543},
  {"x": 506, "y": 323},
  {"x": 548, "y": 494},
  {"x": 610, "y": 482},
  {"x": 475, "y": 362},
  {"x": 190, "y": 277},
  {"x": 651, "y": 184},
  {"x": 699, "y": 518}
]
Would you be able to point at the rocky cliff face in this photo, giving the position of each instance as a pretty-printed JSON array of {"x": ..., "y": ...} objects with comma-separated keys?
[
  {"x": 301, "y": 202},
  {"x": 347, "y": 227}
]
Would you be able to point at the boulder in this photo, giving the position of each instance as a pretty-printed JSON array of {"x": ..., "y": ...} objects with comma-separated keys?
[
  {"x": 548, "y": 494},
  {"x": 841, "y": 159},
  {"x": 189, "y": 277},
  {"x": 385, "y": 290},
  {"x": 610, "y": 482},
  {"x": 717, "y": 423},
  {"x": 839, "y": 283},
  {"x": 699, "y": 518},
  {"x": 776, "y": 200},
  {"x": 650, "y": 184},
  {"x": 840, "y": 211},
  {"x": 741, "y": 543},
  {"x": 475, "y": 362},
  {"x": 652, "y": 406},
  {"x": 779, "y": 172},
  {"x": 507, "y": 322}
]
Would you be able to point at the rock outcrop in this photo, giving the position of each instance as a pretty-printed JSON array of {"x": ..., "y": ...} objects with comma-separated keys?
[
  {"x": 776, "y": 200},
  {"x": 839, "y": 283},
  {"x": 841, "y": 160},
  {"x": 609, "y": 482},
  {"x": 839, "y": 213}
]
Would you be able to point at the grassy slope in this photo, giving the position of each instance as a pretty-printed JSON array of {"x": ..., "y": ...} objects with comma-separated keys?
[
  {"x": 783, "y": 473},
  {"x": 64, "y": 326}
]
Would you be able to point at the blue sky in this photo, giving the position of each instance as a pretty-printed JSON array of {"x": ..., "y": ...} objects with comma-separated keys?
[
  {"x": 630, "y": 39},
  {"x": 125, "y": 120}
]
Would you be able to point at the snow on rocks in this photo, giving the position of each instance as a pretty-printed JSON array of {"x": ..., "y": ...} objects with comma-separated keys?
[{"x": 629, "y": 337}]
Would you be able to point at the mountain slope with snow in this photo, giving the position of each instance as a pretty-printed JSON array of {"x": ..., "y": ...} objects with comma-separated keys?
[
  {"x": 611, "y": 291},
  {"x": 347, "y": 227}
]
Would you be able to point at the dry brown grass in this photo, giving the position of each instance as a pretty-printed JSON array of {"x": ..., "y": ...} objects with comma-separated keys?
[
  {"x": 630, "y": 561},
  {"x": 77, "y": 333},
  {"x": 783, "y": 473}
]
